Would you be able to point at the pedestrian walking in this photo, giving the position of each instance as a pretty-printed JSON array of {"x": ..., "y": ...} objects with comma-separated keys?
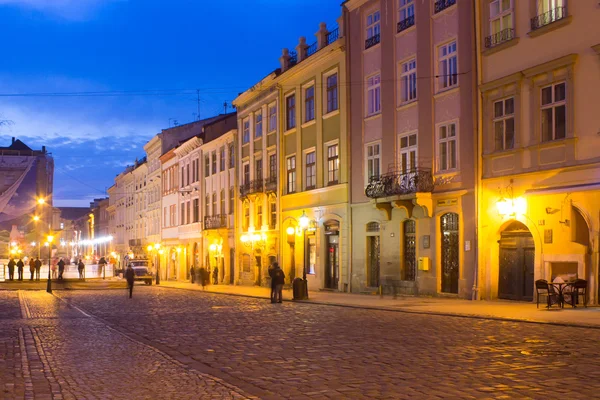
[
  {"x": 202, "y": 277},
  {"x": 80, "y": 268},
  {"x": 279, "y": 277},
  {"x": 273, "y": 286},
  {"x": 216, "y": 275},
  {"x": 20, "y": 266},
  {"x": 130, "y": 277},
  {"x": 192, "y": 274},
  {"x": 38, "y": 267},
  {"x": 101, "y": 265},
  {"x": 11, "y": 269},
  {"x": 32, "y": 267},
  {"x": 61, "y": 268}
]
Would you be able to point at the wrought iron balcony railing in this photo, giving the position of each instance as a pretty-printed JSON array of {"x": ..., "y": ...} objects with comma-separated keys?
[
  {"x": 406, "y": 23},
  {"x": 312, "y": 49},
  {"x": 293, "y": 57},
  {"x": 548, "y": 17},
  {"x": 500, "y": 37},
  {"x": 255, "y": 186},
  {"x": 271, "y": 184},
  {"x": 372, "y": 41},
  {"x": 333, "y": 36},
  {"x": 215, "y": 221},
  {"x": 441, "y": 5},
  {"x": 397, "y": 183}
]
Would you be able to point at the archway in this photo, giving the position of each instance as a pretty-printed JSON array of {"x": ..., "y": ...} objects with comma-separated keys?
[
  {"x": 516, "y": 263},
  {"x": 332, "y": 258}
]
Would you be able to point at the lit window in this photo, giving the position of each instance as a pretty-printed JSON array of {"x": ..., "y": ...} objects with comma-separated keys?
[
  {"x": 311, "y": 170},
  {"x": 206, "y": 166},
  {"x": 501, "y": 22},
  {"x": 333, "y": 165},
  {"x": 408, "y": 153},
  {"x": 291, "y": 174},
  {"x": 554, "y": 112},
  {"x": 373, "y": 28},
  {"x": 222, "y": 199},
  {"x": 504, "y": 124},
  {"x": 214, "y": 162}
]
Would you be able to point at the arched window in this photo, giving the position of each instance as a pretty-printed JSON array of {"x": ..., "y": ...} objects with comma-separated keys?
[{"x": 373, "y": 227}]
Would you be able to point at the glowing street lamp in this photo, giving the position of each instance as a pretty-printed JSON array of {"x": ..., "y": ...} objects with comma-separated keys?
[{"x": 41, "y": 201}]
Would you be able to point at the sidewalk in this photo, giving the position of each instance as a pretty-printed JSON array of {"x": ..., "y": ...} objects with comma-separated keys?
[{"x": 500, "y": 310}]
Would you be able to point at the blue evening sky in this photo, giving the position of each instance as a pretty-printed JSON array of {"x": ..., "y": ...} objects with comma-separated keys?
[{"x": 66, "y": 46}]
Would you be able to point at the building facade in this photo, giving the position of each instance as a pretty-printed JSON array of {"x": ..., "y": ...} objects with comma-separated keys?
[
  {"x": 153, "y": 192},
  {"x": 170, "y": 263},
  {"x": 540, "y": 198},
  {"x": 412, "y": 123}
]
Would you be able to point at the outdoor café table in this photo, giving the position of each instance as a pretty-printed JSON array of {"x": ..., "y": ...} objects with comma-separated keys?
[{"x": 560, "y": 287}]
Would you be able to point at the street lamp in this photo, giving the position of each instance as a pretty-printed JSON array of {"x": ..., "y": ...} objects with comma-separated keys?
[
  {"x": 304, "y": 221},
  {"x": 49, "y": 243},
  {"x": 41, "y": 201},
  {"x": 159, "y": 252}
]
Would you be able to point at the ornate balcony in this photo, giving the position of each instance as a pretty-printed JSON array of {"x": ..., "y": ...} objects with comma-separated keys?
[
  {"x": 441, "y": 5},
  {"x": 271, "y": 184},
  {"x": 215, "y": 222},
  {"x": 396, "y": 183},
  {"x": 372, "y": 41},
  {"x": 500, "y": 37},
  {"x": 255, "y": 186},
  {"x": 406, "y": 23},
  {"x": 549, "y": 17}
]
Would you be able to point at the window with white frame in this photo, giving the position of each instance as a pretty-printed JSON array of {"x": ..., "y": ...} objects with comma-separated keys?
[
  {"x": 333, "y": 164},
  {"x": 373, "y": 161},
  {"x": 246, "y": 132},
  {"x": 214, "y": 162},
  {"x": 311, "y": 170},
  {"x": 206, "y": 166},
  {"x": 332, "y": 93},
  {"x": 231, "y": 200},
  {"x": 214, "y": 203},
  {"x": 408, "y": 81},
  {"x": 246, "y": 171},
  {"x": 272, "y": 117},
  {"x": 290, "y": 111},
  {"x": 501, "y": 22},
  {"x": 447, "y": 157},
  {"x": 373, "y": 28},
  {"x": 504, "y": 124},
  {"x": 554, "y": 112},
  {"x": 291, "y": 174},
  {"x": 222, "y": 201},
  {"x": 258, "y": 125},
  {"x": 408, "y": 153},
  {"x": 258, "y": 169},
  {"x": 556, "y": 9},
  {"x": 374, "y": 94},
  {"x": 309, "y": 104},
  {"x": 222, "y": 159},
  {"x": 406, "y": 11},
  {"x": 447, "y": 66}
]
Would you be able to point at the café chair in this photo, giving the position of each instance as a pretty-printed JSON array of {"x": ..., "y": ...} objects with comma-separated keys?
[
  {"x": 542, "y": 288},
  {"x": 577, "y": 289}
]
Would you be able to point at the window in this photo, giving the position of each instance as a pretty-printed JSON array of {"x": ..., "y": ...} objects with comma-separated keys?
[
  {"x": 207, "y": 206},
  {"x": 408, "y": 153},
  {"x": 193, "y": 171},
  {"x": 272, "y": 117},
  {"x": 258, "y": 171},
  {"x": 554, "y": 112},
  {"x": 173, "y": 214},
  {"x": 290, "y": 109},
  {"x": 291, "y": 174},
  {"x": 259, "y": 214},
  {"x": 332, "y": 93},
  {"x": 222, "y": 159},
  {"x": 309, "y": 104},
  {"x": 311, "y": 170},
  {"x": 373, "y": 161},
  {"x": 374, "y": 94},
  {"x": 504, "y": 124},
  {"x": 406, "y": 14},
  {"x": 258, "y": 125},
  {"x": 246, "y": 215},
  {"x": 187, "y": 173},
  {"x": 373, "y": 29},
  {"x": 448, "y": 65},
  {"x": 273, "y": 165},
  {"x": 182, "y": 177},
  {"x": 246, "y": 132},
  {"x": 231, "y": 156},
  {"x": 222, "y": 210},
  {"x": 165, "y": 222},
  {"x": 214, "y": 162},
  {"x": 206, "y": 166},
  {"x": 273, "y": 219},
  {"x": 501, "y": 22},
  {"x": 548, "y": 11},
  {"x": 231, "y": 199},
  {"x": 447, "y": 147},
  {"x": 333, "y": 165},
  {"x": 408, "y": 81},
  {"x": 197, "y": 170},
  {"x": 182, "y": 214},
  {"x": 196, "y": 210},
  {"x": 188, "y": 209},
  {"x": 246, "y": 177},
  {"x": 214, "y": 203}
]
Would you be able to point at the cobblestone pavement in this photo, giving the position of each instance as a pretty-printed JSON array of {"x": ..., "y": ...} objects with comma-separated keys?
[
  {"x": 293, "y": 350},
  {"x": 49, "y": 349}
]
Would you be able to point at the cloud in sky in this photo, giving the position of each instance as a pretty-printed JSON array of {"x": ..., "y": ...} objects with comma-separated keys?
[{"x": 69, "y": 9}]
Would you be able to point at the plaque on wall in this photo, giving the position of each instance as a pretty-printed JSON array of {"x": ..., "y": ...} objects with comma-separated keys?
[
  {"x": 547, "y": 236},
  {"x": 425, "y": 241}
]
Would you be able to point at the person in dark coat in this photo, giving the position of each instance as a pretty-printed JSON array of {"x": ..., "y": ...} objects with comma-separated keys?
[
  {"x": 279, "y": 278},
  {"x": 80, "y": 268},
  {"x": 202, "y": 277},
  {"x": 130, "y": 277},
  {"x": 101, "y": 265},
  {"x": 61, "y": 268},
  {"x": 11, "y": 269},
  {"x": 192, "y": 274},
  {"x": 32, "y": 267},
  {"x": 20, "y": 266},
  {"x": 38, "y": 267},
  {"x": 272, "y": 276},
  {"x": 216, "y": 275}
]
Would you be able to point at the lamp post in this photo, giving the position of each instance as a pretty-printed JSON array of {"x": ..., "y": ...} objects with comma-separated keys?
[
  {"x": 304, "y": 222},
  {"x": 159, "y": 252},
  {"x": 49, "y": 242}
]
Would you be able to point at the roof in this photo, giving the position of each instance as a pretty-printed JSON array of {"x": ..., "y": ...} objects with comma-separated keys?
[{"x": 73, "y": 213}]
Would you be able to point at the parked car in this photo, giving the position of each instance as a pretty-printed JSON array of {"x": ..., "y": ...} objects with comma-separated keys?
[{"x": 142, "y": 271}]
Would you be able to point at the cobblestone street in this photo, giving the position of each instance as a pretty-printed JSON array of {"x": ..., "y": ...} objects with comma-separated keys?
[{"x": 167, "y": 343}]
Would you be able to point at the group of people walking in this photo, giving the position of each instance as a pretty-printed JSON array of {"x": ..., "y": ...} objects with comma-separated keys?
[
  {"x": 202, "y": 276},
  {"x": 35, "y": 265}
]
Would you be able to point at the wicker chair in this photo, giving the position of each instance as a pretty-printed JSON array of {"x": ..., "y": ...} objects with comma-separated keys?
[
  {"x": 577, "y": 289},
  {"x": 542, "y": 288}
]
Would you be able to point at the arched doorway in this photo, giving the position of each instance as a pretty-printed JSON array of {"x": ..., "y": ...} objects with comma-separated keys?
[
  {"x": 450, "y": 248},
  {"x": 516, "y": 264},
  {"x": 373, "y": 253},
  {"x": 332, "y": 258}
]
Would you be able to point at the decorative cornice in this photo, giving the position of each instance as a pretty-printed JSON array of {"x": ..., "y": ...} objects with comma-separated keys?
[
  {"x": 514, "y": 78},
  {"x": 550, "y": 65},
  {"x": 352, "y": 5}
]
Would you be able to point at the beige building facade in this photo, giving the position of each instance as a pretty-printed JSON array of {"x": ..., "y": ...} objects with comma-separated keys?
[{"x": 540, "y": 131}]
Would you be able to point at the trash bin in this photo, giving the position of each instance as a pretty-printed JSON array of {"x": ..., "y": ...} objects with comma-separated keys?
[{"x": 298, "y": 289}]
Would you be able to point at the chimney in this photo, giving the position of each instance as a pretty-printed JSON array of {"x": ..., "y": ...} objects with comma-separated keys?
[
  {"x": 284, "y": 60},
  {"x": 44, "y": 149},
  {"x": 301, "y": 48},
  {"x": 13, "y": 140},
  {"x": 322, "y": 35}
]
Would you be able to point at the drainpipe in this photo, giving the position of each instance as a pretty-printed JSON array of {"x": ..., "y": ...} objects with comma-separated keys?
[
  {"x": 475, "y": 295},
  {"x": 344, "y": 32}
]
